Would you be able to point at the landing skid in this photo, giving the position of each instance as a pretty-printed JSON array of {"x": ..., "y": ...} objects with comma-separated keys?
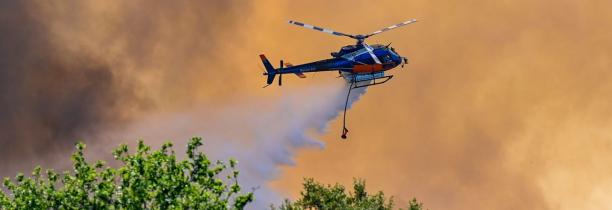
[{"x": 354, "y": 85}]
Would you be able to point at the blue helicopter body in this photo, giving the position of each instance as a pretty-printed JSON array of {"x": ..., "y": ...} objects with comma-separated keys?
[
  {"x": 351, "y": 61},
  {"x": 360, "y": 64}
]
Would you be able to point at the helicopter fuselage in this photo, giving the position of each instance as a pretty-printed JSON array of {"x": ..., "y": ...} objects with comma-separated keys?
[
  {"x": 351, "y": 59},
  {"x": 361, "y": 65}
]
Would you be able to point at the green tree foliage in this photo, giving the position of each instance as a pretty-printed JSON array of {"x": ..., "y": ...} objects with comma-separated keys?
[
  {"x": 146, "y": 180},
  {"x": 323, "y": 197}
]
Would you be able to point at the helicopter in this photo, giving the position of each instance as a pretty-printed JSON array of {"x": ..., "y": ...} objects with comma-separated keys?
[{"x": 361, "y": 65}]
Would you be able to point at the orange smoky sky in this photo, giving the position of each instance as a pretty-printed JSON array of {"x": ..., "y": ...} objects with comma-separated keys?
[{"x": 504, "y": 105}]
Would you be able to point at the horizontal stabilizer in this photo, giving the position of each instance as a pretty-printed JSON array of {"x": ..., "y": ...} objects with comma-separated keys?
[{"x": 301, "y": 75}]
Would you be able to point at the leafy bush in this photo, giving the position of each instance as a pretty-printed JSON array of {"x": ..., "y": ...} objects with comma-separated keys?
[
  {"x": 147, "y": 180},
  {"x": 157, "y": 180},
  {"x": 323, "y": 197}
]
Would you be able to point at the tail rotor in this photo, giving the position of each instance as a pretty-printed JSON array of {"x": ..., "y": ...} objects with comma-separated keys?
[{"x": 280, "y": 75}]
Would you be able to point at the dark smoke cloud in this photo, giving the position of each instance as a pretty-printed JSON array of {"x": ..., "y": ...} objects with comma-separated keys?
[
  {"x": 71, "y": 69},
  {"x": 48, "y": 95}
]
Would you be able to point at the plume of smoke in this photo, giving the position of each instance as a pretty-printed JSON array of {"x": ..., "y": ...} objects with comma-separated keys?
[
  {"x": 63, "y": 77},
  {"x": 49, "y": 95},
  {"x": 261, "y": 133},
  {"x": 71, "y": 69}
]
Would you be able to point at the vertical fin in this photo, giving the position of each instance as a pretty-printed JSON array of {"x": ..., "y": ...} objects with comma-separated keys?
[{"x": 270, "y": 71}]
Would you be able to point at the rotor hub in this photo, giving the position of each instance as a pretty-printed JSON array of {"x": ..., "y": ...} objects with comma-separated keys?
[{"x": 360, "y": 38}]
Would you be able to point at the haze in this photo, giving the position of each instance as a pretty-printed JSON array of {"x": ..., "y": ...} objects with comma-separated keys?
[{"x": 504, "y": 105}]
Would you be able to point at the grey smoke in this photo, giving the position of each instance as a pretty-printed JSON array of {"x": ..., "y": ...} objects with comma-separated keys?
[
  {"x": 53, "y": 94},
  {"x": 67, "y": 72},
  {"x": 49, "y": 96},
  {"x": 261, "y": 133}
]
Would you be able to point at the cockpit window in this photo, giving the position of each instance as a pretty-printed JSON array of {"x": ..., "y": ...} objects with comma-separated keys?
[
  {"x": 387, "y": 59},
  {"x": 393, "y": 51}
]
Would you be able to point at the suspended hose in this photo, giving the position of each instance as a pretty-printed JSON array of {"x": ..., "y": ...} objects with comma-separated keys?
[{"x": 344, "y": 130}]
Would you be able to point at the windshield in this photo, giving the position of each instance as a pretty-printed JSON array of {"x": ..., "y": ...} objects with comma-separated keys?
[{"x": 393, "y": 51}]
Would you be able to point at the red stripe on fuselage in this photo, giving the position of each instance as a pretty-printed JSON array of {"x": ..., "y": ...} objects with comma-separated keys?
[{"x": 367, "y": 68}]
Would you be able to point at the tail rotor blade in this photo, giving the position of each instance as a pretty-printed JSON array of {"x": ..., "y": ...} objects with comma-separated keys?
[{"x": 280, "y": 73}]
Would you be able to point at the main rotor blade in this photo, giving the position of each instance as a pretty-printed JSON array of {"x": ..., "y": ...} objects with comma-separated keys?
[
  {"x": 320, "y": 29},
  {"x": 392, "y": 27}
]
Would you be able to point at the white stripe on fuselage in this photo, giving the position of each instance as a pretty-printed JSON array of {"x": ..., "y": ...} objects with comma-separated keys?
[
  {"x": 364, "y": 50},
  {"x": 371, "y": 53},
  {"x": 353, "y": 55}
]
